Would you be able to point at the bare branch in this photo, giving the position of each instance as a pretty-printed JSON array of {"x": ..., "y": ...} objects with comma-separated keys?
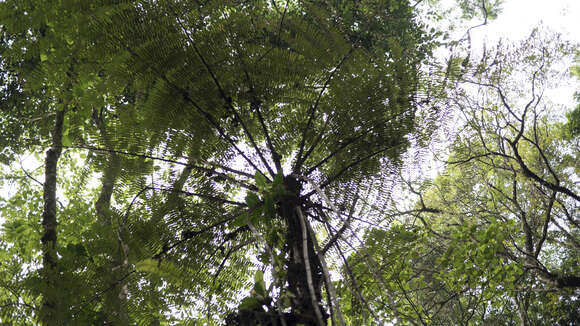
[
  {"x": 528, "y": 173},
  {"x": 546, "y": 224}
]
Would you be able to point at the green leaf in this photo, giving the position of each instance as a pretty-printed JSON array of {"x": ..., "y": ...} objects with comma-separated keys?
[
  {"x": 240, "y": 220},
  {"x": 249, "y": 303},
  {"x": 252, "y": 200},
  {"x": 261, "y": 181},
  {"x": 66, "y": 140},
  {"x": 259, "y": 276},
  {"x": 147, "y": 265},
  {"x": 259, "y": 285},
  {"x": 269, "y": 209}
]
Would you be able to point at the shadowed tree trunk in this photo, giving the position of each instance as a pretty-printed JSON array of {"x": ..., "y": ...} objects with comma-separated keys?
[
  {"x": 51, "y": 312},
  {"x": 114, "y": 300},
  {"x": 304, "y": 277},
  {"x": 303, "y": 265}
]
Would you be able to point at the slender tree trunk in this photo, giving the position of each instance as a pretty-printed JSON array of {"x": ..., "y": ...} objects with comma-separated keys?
[
  {"x": 523, "y": 304},
  {"x": 51, "y": 311},
  {"x": 114, "y": 301}
]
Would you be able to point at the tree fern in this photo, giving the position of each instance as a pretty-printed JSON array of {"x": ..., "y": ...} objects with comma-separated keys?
[{"x": 224, "y": 134}]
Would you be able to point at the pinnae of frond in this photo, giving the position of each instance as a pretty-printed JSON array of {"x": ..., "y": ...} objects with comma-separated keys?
[
  {"x": 188, "y": 98},
  {"x": 190, "y": 234},
  {"x": 350, "y": 141},
  {"x": 256, "y": 106},
  {"x": 352, "y": 164},
  {"x": 300, "y": 159},
  {"x": 204, "y": 196},
  {"x": 225, "y": 97},
  {"x": 162, "y": 159}
]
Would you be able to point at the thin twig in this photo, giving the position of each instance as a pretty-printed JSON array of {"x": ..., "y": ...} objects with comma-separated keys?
[{"x": 28, "y": 175}]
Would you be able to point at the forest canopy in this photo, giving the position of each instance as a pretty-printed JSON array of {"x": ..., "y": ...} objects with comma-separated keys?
[{"x": 177, "y": 162}]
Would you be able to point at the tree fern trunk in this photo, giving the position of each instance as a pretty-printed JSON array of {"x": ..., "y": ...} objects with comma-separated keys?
[
  {"x": 51, "y": 311},
  {"x": 304, "y": 303}
]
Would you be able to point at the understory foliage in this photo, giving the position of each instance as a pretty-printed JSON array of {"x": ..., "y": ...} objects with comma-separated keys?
[{"x": 238, "y": 162}]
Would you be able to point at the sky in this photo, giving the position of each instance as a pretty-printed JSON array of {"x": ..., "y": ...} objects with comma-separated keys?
[
  {"x": 515, "y": 22},
  {"x": 519, "y": 17}
]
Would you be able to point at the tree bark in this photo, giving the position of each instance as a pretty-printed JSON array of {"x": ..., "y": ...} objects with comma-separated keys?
[
  {"x": 560, "y": 281},
  {"x": 52, "y": 313}
]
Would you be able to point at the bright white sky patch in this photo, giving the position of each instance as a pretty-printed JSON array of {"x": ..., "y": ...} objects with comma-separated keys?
[
  {"x": 519, "y": 17},
  {"x": 516, "y": 22}
]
